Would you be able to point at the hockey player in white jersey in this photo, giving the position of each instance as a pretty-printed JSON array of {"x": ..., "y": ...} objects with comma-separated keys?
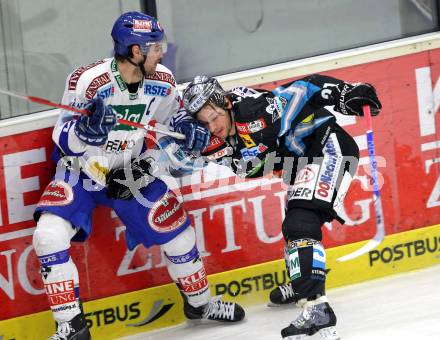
[{"x": 102, "y": 162}]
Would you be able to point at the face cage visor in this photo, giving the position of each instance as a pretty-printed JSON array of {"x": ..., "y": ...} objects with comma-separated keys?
[{"x": 155, "y": 47}]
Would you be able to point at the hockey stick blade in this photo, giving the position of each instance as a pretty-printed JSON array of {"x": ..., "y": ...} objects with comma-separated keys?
[{"x": 380, "y": 227}]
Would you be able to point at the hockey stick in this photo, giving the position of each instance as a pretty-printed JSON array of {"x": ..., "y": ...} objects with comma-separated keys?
[
  {"x": 159, "y": 128},
  {"x": 380, "y": 228}
]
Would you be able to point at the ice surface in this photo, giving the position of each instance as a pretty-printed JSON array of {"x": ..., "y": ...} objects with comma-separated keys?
[{"x": 400, "y": 307}]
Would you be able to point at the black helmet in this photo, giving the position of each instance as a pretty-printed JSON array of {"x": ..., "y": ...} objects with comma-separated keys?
[{"x": 201, "y": 90}]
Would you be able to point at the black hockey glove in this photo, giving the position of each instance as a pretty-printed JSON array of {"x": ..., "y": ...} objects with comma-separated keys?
[
  {"x": 94, "y": 129},
  {"x": 123, "y": 183},
  {"x": 349, "y": 99}
]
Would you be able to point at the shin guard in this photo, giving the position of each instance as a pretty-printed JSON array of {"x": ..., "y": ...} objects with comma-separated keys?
[
  {"x": 186, "y": 268},
  {"x": 51, "y": 242},
  {"x": 305, "y": 262}
]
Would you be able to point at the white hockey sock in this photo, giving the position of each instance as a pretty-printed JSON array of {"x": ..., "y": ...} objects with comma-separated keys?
[
  {"x": 185, "y": 267},
  {"x": 61, "y": 283},
  {"x": 51, "y": 242}
]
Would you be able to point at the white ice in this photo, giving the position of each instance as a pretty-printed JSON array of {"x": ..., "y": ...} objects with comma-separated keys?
[{"x": 399, "y": 307}]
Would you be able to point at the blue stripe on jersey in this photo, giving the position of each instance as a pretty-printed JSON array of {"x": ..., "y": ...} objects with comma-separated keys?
[
  {"x": 297, "y": 95},
  {"x": 294, "y": 138},
  {"x": 63, "y": 140}
]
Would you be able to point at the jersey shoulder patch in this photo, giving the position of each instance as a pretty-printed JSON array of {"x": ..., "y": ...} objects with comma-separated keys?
[
  {"x": 241, "y": 91},
  {"x": 251, "y": 107},
  {"x": 162, "y": 74},
  {"x": 97, "y": 82},
  {"x": 80, "y": 71}
]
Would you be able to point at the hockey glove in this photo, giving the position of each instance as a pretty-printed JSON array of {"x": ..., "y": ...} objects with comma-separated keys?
[
  {"x": 123, "y": 183},
  {"x": 197, "y": 136},
  {"x": 94, "y": 128},
  {"x": 349, "y": 99}
]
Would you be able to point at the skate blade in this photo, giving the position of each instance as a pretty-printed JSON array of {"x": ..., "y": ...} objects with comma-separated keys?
[
  {"x": 297, "y": 337},
  {"x": 288, "y": 305},
  {"x": 329, "y": 333}
]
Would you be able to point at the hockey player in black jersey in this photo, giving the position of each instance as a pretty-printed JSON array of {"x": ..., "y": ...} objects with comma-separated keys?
[{"x": 289, "y": 131}]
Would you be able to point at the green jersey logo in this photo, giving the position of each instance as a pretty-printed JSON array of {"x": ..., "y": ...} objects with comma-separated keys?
[{"x": 133, "y": 113}]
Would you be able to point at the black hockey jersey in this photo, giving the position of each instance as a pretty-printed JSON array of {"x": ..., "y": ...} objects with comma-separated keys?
[{"x": 288, "y": 121}]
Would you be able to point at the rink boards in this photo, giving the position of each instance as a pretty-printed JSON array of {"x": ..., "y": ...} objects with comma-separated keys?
[
  {"x": 238, "y": 222},
  {"x": 154, "y": 308}
]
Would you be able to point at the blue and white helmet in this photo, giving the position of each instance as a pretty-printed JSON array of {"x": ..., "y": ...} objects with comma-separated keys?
[{"x": 134, "y": 28}]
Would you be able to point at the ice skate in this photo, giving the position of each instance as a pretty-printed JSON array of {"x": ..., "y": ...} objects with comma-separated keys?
[
  {"x": 216, "y": 310},
  {"x": 317, "y": 317},
  {"x": 282, "y": 295},
  {"x": 75, "y": 329}
]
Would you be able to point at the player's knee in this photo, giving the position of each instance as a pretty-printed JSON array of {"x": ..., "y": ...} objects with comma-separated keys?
[
  {"x": 302, "y": 223},
  {"x": 182, "y": 244},
  {"x": 52, "y": 235}
]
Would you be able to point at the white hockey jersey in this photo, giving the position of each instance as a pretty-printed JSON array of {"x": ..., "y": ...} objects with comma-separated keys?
[{"x": 156, "y": 99}]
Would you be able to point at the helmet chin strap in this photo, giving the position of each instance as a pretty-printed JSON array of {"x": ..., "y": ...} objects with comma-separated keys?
[
  {"x": 231, "y": 116},
  {"x": 140, "y": 65}
]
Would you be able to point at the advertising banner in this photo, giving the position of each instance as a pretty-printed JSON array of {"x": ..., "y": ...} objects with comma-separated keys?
[
  {"x": 157, "y": 307},
  {"x": 238, "y": 223}
]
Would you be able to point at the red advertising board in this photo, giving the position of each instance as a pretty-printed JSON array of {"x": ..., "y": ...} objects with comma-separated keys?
[{"x": 236, "y": 224}]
